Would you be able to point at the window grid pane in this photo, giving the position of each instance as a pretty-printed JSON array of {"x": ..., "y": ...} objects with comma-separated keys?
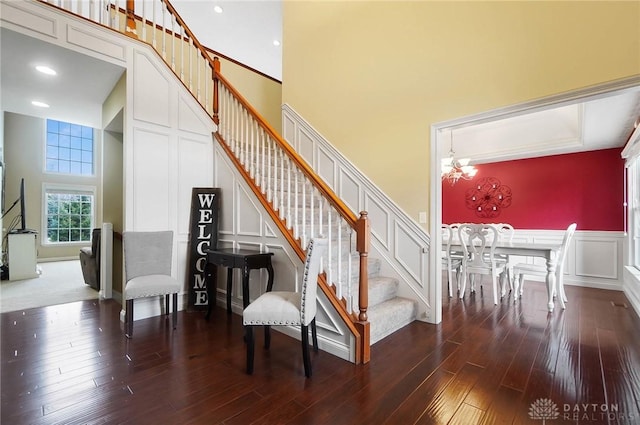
[
  {"x": 69, "y": 217},
  {"x": 69, "y": 148}
]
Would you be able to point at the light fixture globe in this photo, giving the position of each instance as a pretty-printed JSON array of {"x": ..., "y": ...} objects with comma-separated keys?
[{"x": 454, "y": 169}]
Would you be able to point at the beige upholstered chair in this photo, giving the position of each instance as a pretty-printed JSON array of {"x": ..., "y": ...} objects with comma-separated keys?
[
  {"x": 280, "y": 308},
  {"x": 147, "y": 260},
  {"x": 478, "y": 243},
  {"x": 522, "y": 269}
]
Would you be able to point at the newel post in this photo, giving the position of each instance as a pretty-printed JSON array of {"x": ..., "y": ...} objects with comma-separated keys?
[
  {"x": 130, "y": 29},
  {"x": 362, "y": 245},
  {"x": 216, "y": 82}
]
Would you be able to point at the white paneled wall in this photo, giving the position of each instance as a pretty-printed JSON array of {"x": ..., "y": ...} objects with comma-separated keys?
[{"x": 594, "y": 259}]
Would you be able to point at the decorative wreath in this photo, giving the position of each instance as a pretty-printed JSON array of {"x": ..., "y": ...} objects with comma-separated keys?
[{"x": 488, "y": 197}]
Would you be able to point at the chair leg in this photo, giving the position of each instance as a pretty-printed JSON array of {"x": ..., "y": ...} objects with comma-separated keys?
[
  {"x": 305, "y": 350},
  {"x": 248, "y": 334},
  {"x": 129, "y": 319},
  {"x": 463, "y": 284},
  {"x": 267, "y": 336},
  {"x": 175, "y": 310},
  {"x": 166, "y": 304},
  {"x": 314, "y": 335},
  {"x": 495, "y": 288}
]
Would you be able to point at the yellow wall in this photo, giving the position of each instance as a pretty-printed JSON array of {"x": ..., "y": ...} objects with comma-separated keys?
[
  {"x": 263, "y": 93},
  {"x": 372, "y": 77}
]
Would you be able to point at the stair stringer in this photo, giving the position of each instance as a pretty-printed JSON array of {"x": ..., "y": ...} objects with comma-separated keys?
[
  {"x": 401, "y": 244},
  {"x": 245, "y": 223}
]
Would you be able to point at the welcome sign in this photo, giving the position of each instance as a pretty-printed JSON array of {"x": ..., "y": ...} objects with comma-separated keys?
[{"x": 203, "y": 236}]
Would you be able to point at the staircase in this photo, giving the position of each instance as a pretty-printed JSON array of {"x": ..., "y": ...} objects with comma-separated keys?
[
  {"x": 302, "y": 205},
  {"x": 387, "y": 312}
]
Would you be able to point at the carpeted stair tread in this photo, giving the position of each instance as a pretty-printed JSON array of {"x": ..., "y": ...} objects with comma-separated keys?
[{"x": 389, "y": 316}]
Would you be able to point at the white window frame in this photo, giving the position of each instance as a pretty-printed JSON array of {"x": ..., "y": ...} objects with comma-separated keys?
[
  {"x": 633, "y": 205},
  {"x": 70, "y": 189}
]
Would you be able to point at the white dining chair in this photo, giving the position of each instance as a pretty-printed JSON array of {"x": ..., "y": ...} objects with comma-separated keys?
[
  {"x": 522, "y": 269},
  {"x": 451, "y": 260},
  {"x": 478, "y": 244},
  {"x": 505, "y": 235}
]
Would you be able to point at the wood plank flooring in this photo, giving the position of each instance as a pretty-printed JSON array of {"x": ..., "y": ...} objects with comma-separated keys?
[{"x": 484, "y": 364}]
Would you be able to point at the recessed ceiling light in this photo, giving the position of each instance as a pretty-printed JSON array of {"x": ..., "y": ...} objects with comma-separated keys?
[
  {"x": 39, "y": 104},
  {"x": 217, "y": 9},
  {"x": 46, "y": 70},
  {"x": 276, "y": 43}
]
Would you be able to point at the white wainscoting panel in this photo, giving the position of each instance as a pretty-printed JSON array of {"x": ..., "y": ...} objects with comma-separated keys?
[
  {"x": 398, "y": 241},
  {"x": 597, "y": 259},
  {"x": 195, "y": 170},
  {"x": 379, "y": 220},
  {"x": 90, "y": 41},
  {"x": 594, "y": 259},
  {"x": 29, "y": 19},
  {"x": 150, "y": 180},
  {"x": 150, "y": 90},
  {"x": 247, "y": 214},
  {"x": 348, "y": 189},
  {"x": 327, "y": 169}
]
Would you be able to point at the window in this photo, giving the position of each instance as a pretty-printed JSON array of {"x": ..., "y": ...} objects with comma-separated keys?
[
  {"x": 633, "y": 174},
  {"x": 69, "y": 214},
  {"x": 69, "y": 148}
]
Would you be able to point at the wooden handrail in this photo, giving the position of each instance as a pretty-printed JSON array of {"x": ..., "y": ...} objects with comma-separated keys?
[{"x": 302, "y": 164}]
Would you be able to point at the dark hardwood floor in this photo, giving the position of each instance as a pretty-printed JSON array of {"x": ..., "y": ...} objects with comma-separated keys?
[{"x": 484, "y": 364}]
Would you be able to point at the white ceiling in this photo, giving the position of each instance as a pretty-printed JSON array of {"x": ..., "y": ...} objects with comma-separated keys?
[
  {"x": 77, "y": 92},
  {"x": 244, "y": 31}
]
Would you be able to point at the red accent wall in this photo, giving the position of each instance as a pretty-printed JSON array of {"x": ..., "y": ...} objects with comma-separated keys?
[{"x": 550, "y": 192}]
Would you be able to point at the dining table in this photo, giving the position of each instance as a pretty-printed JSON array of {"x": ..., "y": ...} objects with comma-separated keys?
[{"x": 546, "y": 250}]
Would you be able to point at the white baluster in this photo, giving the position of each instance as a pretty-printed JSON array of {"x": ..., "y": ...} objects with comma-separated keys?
[
  {"x": 153, "y": 25},
  {"x": 269, "y": 168},
  {"x": 262, "y": 158},
  {"x": 206, "y": 89},
  {"x": 304, "y": 211},
  {"x": 164, "y": 32},
  {"x": 296, "y": 220},
  {"x": 339, "y": 280},
  {"x": 198, "y": 82},
  {"x": 289, "y": 192},
  {"x": 144, "y": 24},
  {"x": 329, "y": 236},
  {"x": 173, "y": 42},
  {"x": 190, "y": 53},
  {"x": 312, "y": 196},
  {"x": 281, "y": 188}
]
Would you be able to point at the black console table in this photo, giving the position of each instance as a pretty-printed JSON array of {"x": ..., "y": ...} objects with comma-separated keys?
[{"x": 234, "y": 258}]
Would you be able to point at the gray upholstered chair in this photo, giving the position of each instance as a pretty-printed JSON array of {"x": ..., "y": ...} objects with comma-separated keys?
[
  {"x": 90, "y": 261},
  {"x": 147, "y": 261},
  {"x": 280, "y": 308}
]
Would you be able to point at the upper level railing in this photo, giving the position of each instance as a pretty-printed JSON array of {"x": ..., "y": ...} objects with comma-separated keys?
[{"x": 300, "y": 203}]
